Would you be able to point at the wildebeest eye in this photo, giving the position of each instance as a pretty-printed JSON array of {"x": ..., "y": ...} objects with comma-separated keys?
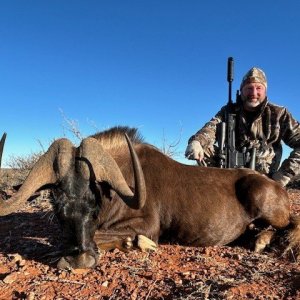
[{"x": 106, "y": 190}]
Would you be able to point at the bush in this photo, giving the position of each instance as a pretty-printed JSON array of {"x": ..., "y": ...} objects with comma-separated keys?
[{"x": 25, "y": 162}]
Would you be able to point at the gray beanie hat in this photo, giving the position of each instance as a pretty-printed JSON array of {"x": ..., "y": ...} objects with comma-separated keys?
[{"x": 254, "y": 75}]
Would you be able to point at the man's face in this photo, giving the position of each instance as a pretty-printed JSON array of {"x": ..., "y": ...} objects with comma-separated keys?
[{"x": 253, "y": 94}]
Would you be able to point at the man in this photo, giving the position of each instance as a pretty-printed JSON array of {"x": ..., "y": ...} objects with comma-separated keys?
[{"x": 259, "y": 124}]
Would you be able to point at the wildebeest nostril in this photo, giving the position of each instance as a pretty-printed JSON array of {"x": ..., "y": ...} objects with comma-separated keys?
[{"x": 63, "y": 264}]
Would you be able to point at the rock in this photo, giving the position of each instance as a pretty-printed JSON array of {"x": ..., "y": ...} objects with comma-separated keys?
[
  {"x": 10, "y": 278},
  {"x": 105, "y": 283}
]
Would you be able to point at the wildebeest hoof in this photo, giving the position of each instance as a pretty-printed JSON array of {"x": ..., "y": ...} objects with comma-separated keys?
[
  {"x": 82, "y": 261},
  {"x": 145, "y": 244},
  {"x": 127, "y": 243},
  {"x": 263, "y": 240}
]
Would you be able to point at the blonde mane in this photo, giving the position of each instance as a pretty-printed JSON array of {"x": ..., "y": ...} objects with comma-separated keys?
[{"x": 114, "y": 138}]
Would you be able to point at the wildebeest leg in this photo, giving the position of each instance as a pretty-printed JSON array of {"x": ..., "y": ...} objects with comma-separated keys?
[
  {"x": 122, "y": 240},
  {"x": 290, "y": 234},
  {"x": 266, "y": 201},
  {"x": 136, "y": 232}
]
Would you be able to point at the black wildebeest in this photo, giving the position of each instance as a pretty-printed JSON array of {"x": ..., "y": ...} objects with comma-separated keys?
[{"x": 112, "y": 187}]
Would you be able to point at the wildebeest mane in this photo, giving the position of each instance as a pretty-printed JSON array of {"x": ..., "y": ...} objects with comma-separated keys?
[{"x": 114, "y": 137}]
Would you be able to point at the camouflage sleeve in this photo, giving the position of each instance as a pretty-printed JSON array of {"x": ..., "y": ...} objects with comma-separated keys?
[
  {"x": 291, "y": 137},
  {"x": 207, "y": 134}
]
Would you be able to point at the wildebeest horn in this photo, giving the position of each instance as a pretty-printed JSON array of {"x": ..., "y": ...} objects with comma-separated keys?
[
  {"x": 50, "y": 168},
  {"x": 139, "y": 180},
  {"x": 106, "y": 169},
  {"x": 2, "y": 146}
]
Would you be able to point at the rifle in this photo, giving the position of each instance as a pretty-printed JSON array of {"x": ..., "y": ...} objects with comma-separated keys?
[{"x": 229, "y": 157}]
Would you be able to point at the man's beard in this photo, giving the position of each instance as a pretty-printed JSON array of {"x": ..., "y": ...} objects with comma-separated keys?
[{"x": 251, "y": 103}]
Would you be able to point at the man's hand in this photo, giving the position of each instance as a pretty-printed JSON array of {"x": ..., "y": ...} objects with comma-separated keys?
[{"x": 194, "y": 151}]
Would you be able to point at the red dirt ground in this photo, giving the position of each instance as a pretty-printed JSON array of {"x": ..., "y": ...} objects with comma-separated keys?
[{"x": 30, "y": 243}]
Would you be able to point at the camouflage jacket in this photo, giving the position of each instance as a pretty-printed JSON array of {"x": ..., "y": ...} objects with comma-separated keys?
[{"x": 263, "y": 130}]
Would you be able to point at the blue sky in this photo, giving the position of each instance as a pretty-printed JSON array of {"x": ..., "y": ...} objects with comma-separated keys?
[{"x": 156, "y": 65}]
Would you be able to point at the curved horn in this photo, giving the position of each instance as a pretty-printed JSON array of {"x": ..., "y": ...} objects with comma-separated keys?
[
  {"x": 2, "y": 146},
  {"x": 139, "y": 179},
  {"x": 106, "y": 169},
  {"x": 50, "y": 167}
]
